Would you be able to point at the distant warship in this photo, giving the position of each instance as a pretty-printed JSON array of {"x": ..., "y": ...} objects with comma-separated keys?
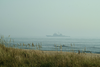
[{"x": 57, "y": 35}]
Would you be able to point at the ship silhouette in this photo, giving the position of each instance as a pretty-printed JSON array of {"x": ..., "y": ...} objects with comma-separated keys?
[{"x": 57, "y": 35}]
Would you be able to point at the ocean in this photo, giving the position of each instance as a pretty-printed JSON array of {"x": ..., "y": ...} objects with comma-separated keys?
[{"x": 87, "y": 45}]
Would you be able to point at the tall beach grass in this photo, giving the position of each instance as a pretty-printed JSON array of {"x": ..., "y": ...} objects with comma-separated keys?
[{"x": 14, "y": 57}]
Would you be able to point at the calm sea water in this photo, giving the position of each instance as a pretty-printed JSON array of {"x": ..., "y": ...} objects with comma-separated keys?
[{"x": 68, "y": 44}]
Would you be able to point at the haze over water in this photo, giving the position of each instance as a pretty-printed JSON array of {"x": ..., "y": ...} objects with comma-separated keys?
[
  {"x": 30, "y": 21},
  {"x": 75, "y": 18}
]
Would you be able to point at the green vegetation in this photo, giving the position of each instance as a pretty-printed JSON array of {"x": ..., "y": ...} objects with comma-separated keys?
[{"x": 13, "y": 57}]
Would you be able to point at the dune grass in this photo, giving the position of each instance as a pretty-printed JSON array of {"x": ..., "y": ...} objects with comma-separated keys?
[
  {"x": 11, "y": 57},
  {"x": 14, "y": 57}
]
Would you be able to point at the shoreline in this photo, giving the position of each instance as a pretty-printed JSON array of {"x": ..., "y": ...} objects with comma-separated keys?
[
  {"x": 58, "y": 52},
  {"x": 63, "y": 53}
]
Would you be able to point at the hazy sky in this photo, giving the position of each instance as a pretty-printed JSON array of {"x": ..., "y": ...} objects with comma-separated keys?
[{"x": 31, "y": 18}]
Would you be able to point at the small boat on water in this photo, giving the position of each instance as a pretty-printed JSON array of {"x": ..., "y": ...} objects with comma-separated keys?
[{"x": 57, "y": 35}]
